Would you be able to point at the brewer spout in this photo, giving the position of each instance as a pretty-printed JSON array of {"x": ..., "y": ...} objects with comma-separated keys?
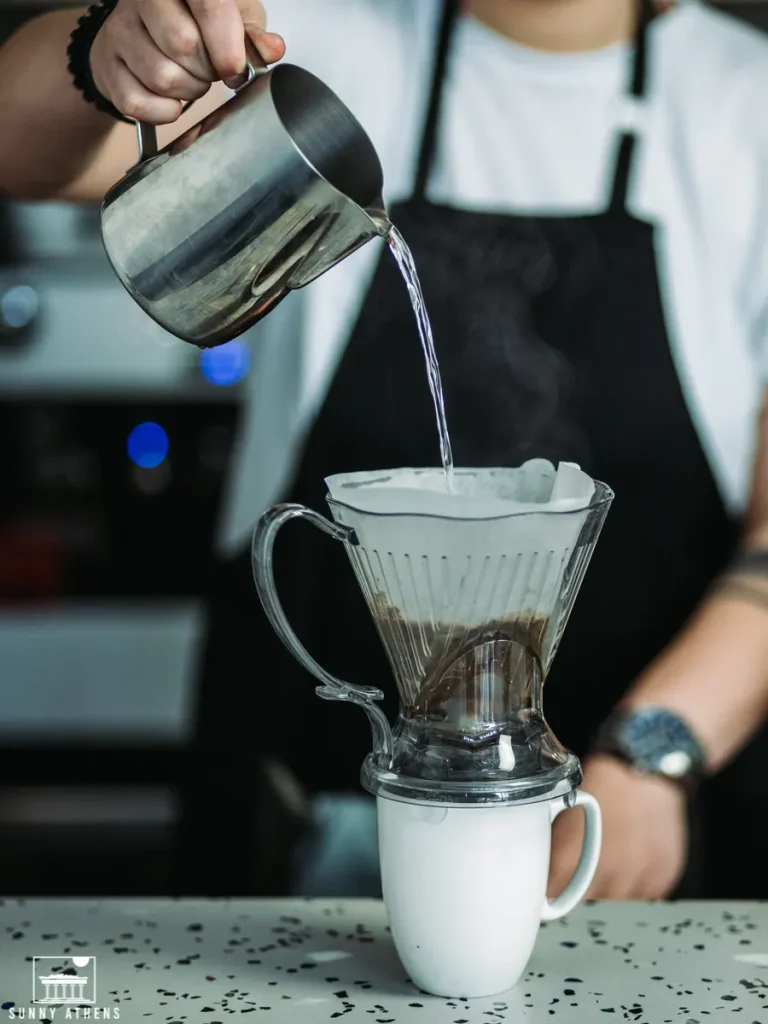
[{"x": 383, "y": 740}]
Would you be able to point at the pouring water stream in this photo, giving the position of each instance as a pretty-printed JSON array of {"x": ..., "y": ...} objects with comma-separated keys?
[{"x": 402, "y": 254}]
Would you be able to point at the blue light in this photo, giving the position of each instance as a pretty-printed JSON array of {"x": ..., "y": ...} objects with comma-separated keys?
[
  {"x": 19, "y": 306},
  {"x": 147, "y": 445},
  {"x": 226, "y": 364}
]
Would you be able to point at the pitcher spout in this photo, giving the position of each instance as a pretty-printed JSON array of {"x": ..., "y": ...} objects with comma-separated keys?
[
  {"x": 343, "y": 228},
  {"x": 378, "y": 213}
]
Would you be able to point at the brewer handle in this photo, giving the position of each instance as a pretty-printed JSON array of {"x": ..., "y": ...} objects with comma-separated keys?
[
  {"x": 576, "y": 889},
  {"x": 146, "y": 134},
  {"x": 262, "y": 561}
]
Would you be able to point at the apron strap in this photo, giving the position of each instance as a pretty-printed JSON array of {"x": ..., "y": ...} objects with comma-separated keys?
[
  {"x": 638, "y": 90},
  {"x": 627, "y": 144},
  {"x": 434, "y": 108}
]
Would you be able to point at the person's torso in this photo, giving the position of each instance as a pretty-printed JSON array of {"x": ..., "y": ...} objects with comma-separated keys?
[{"x": 530, "y": 132}]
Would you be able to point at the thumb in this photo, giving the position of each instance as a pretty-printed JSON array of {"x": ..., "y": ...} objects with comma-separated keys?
[{"x": 269, "y": 46}]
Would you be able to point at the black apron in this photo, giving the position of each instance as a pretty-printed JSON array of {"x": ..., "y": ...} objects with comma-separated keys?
[{"x": 552, "y": 343}]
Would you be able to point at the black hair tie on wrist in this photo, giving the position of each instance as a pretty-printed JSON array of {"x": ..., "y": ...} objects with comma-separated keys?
[
  {"x": 79, "y": 56},
  {"x": 735, "y": 588}
]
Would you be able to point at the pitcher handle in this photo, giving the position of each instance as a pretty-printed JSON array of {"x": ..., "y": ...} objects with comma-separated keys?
[
  {"x": 576, "y": 889},
  {"x": 146, "y": 134},
  {"x": 262, "y": 561}
]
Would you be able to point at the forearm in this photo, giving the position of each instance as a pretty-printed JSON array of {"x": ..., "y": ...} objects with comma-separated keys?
[
  {"x": 714, "y": 675},
  {"x": 50, "y": 135},
  {"x": 54, "y": 144}
]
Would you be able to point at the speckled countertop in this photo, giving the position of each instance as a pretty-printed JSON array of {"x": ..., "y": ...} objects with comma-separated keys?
[{"x": 168, "y": 962}]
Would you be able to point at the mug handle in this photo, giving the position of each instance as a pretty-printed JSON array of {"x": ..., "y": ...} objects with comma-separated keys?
[
  {"x": 146, "y": 134},
  {"x": 262, "y": 562},
  {"x": 576, "y": 889}
]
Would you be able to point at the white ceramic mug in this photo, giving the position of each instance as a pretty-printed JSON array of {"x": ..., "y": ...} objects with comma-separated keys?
[{"x": 465, "y": 888}]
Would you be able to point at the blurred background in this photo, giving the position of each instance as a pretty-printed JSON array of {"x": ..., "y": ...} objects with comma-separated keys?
[
  {"x": 115, "y": 441},
  {"x": 114, "y": 445}
]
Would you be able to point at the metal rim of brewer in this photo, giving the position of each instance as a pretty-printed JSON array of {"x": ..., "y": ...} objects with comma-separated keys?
[{"x": 561, "y": 782}]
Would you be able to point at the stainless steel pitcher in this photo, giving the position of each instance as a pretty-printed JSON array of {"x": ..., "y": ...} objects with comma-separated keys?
[{"x": 262, "y": 196}]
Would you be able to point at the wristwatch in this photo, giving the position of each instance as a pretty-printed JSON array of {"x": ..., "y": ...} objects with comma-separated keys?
[{"x": 654, "y": 741}]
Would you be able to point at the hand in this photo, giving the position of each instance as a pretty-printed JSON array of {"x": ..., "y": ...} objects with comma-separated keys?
[
  {"x": 644, "y": 835},
  {"x": 153, "y": 56}
]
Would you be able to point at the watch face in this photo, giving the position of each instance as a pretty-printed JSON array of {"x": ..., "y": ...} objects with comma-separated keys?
[{"x": 657, "y": 741}]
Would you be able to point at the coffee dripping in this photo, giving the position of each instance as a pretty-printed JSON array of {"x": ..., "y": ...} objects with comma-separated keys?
[
  {"x": 477, "y": 711},
  {"x": 470, "y": 590}
]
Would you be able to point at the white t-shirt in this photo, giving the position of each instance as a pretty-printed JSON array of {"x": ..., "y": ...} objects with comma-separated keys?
[{"x": 527, "y": 131}]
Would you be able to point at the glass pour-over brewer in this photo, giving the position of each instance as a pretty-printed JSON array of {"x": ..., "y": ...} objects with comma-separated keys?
[{"x": 470, "y": 592}]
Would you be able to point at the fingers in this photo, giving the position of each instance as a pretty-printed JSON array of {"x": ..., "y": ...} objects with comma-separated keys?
[
  {"x": 162, "y": 76},
  {"x": 152, "y": 56},
  {"x": 176, "y": 35},
  {"x": 613, "y": 879},
  {"x": 567, "y": 837},
  {"x": 221, "y": 28},
  {"x": 269, "y": 45},
  {"x": 130, "y": 71},
  {"x": 621, "y": 874},
  {"x": 136, "y": 101}
]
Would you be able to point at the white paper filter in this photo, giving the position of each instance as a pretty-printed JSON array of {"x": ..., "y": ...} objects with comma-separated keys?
[{"x": 491, "y": 550}]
